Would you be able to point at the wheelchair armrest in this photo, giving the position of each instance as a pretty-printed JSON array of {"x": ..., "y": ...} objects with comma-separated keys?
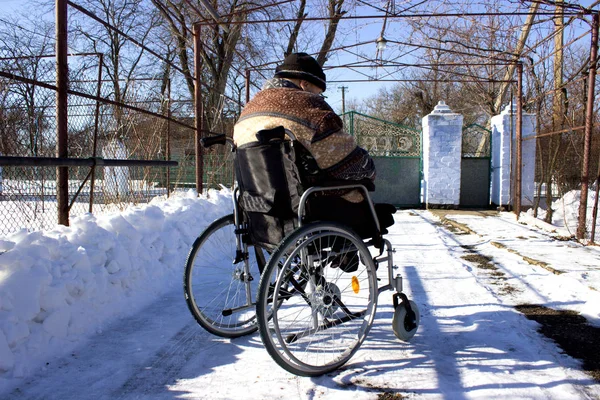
[
  {"x": 363, "y": 185},
  {"x": 367, "y": 183},
  {"x": 207, "y": 142}
]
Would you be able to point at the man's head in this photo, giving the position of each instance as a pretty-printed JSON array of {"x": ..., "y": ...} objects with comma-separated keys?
[{"x": 302, "y": 67}]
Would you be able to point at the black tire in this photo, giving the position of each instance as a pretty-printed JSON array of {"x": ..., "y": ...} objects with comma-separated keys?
[
  {"x": 313, "y": 315},
  {"x": 220, "y": 294}
]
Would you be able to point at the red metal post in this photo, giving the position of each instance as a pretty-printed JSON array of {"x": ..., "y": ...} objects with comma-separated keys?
[
  {"x": 589, "y": 123},
  {"x": 595, "y": 208},
  {"x": 168, "y": 144},
  {"x": 519, "y": 140},
  {"x": 62, "y": 77},
  {"x": 247, "y": 86},
  {"x": 96, "y": 127},
  {"x": 198, "y": 108}
]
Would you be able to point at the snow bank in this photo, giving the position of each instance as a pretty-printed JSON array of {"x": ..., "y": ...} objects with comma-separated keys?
[
  {"x": 58, "y": 287},
  {"x": 566, "y": 213}
]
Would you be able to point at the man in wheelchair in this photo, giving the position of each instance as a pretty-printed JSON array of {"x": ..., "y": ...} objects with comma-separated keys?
[{"x": 288, "y": 129}]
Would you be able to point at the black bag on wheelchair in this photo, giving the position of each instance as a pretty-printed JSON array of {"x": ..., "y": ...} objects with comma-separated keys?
[{"x": 270, "y": 187}]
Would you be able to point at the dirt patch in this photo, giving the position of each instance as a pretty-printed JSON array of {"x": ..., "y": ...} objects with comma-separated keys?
[
  {"x": 477, "y": 258},
  {"x": 495, "y": 276},
  {"x": 571, "y": 332},
  {"x": 507, "y": 289},
  {"x": 480, "y": 260},
  {"x": 564, "y": 238},
  {"x": 456, "y": 227},
  {"x": 484, "y": 213},
  {"x": 390, "y": 396},
  {"x": 385, "y": 395}
]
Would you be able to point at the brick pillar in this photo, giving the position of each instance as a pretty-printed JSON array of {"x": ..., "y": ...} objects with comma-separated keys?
[
  {"x": 442, "y": 143},
  {"x": 504, "y": 157}
]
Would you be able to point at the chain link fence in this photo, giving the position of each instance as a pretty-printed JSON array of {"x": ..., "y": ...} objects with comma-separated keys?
[
  {"x": 128, "y": 116},
  {"x": 28, "y": 194}
]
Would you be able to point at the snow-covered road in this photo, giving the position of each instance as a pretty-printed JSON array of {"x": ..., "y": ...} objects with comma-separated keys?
[{"x": 472, "y": 343}]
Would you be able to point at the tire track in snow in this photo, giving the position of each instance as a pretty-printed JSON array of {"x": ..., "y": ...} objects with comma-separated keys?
[
  {"x": 164, "y": 368},
  {"x": 115, "y": 360}
]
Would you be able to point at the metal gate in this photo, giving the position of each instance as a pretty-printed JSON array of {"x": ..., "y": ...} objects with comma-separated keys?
[
  {"x": 475, "y": 167},
  {"x": 396, "y": 150}
]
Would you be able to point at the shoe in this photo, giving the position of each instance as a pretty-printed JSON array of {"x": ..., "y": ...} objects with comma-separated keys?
[{"x": 347, "y": 262}]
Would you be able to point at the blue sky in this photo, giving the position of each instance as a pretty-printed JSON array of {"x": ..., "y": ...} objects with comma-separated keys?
[
  {"x": 8, "y": 5},
  {"x": 351, "y": 32},
  {"x": 369, "y": 30}
]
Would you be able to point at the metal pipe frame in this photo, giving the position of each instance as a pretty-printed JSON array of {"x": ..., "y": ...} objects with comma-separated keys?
[
  {"x": 405, "y": 16},
  {"x": 92, "y": 97},
  {"x": 589, "y": 124},
  {"x": 198, "y": 108},
  {"x": 519, "y": 144},
  {"x": 313, "y": 189},
  {"x": 9, "y": 161},
  {"x": 62, "y": 84}
]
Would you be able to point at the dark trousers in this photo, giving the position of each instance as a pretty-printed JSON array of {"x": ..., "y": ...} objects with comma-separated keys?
[{"x": 357, "y": 216}]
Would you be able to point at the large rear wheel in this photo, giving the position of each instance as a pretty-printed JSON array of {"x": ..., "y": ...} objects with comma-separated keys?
[
  {"x": 220, "y": 286},
  {"x": 317, "y": 299}
]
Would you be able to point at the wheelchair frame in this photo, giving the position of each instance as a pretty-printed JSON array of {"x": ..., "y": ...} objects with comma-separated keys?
[{"x": 282, "y": 281}]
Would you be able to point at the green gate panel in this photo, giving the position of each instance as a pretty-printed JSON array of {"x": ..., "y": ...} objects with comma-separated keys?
[
  {"x": 475, "y": 182},
  {"x": 398, "y": 181},
  {"x": 396, "y": 150}
]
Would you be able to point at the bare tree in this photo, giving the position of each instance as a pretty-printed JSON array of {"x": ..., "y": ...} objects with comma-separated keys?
[
  {"x": 124, "y": 61},
  {"x": 25, "y": 106},
  {"x": 295, "y": 31},
  {"x": 335, "y": 13},
  {"x": 230, "y": 46},
  {"x": 220, "y": 42}
]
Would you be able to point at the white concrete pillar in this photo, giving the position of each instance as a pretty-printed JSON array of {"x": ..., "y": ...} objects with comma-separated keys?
[
  {"x": 504, "y": 128},
  {"x": 442, "y": 142}
]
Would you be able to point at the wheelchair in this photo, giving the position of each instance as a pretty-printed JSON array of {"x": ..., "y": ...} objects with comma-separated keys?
[{"x": 309, "y": 287}]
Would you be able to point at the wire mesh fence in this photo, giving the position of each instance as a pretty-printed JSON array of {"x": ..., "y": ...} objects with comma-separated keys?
[
  {"x": 129, "y": 114},
  {"x": 28, "y": 194}
]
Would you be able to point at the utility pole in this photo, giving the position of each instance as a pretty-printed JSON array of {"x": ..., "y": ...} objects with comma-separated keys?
[{"x": 343, "y": 89}]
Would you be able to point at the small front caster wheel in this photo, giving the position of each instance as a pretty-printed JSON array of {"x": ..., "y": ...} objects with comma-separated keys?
[{"x": 404, "y": 328}]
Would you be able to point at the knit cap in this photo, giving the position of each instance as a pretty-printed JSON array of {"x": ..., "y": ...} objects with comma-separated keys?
[{"x": 302, "y": 66}]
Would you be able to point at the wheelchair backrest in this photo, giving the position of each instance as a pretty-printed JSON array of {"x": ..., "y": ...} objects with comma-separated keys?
[{"x": 270, "y": 186}]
